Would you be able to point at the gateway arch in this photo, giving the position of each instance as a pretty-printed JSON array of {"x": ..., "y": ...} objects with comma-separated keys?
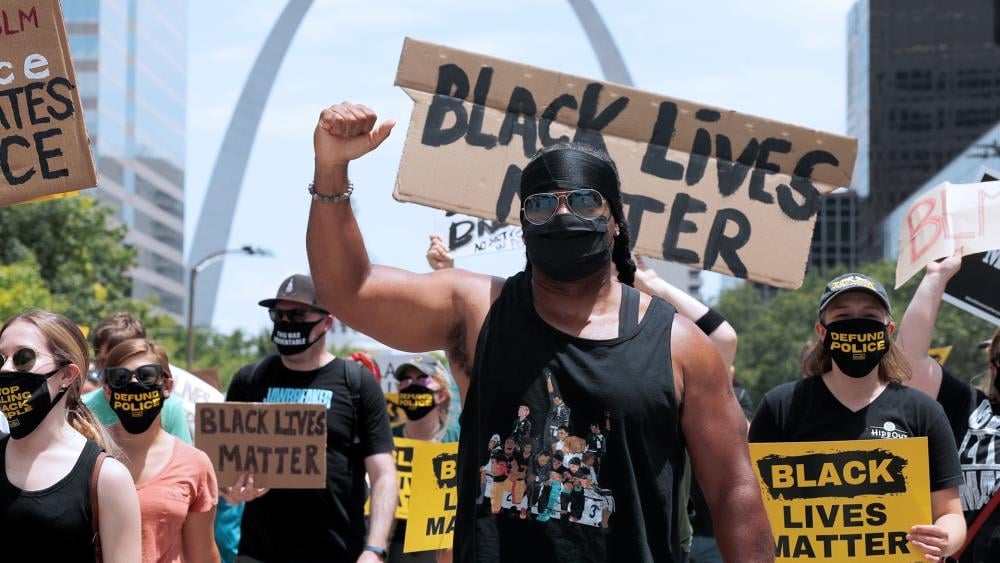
[{"x": 218, "y": 209}]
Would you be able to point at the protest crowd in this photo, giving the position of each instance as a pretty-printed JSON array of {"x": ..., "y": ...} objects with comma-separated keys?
[{"x": 582, "y": 410}]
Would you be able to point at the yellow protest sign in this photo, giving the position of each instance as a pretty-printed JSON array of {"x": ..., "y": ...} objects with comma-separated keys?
[
  {"x": 941, "y": 354},
  {"x": 433, "y": 497},
  {"x": 396, "y": 415},
  {"x": 844, "y": 501}
]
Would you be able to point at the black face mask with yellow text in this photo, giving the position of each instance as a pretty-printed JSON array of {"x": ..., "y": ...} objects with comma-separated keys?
[
  {"x": 856, "y": 345},
  {"x": 137, "y": 405}
]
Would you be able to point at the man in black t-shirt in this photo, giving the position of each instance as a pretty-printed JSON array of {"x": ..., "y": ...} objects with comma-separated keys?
[{"x": 307, "y": 525}]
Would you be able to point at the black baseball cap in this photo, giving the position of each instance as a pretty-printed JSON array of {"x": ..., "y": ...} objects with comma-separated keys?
[
  {"x": 424, "y": 364},
  {"x": 853, "y": 282},
  {"x": 297, "y": 288}
]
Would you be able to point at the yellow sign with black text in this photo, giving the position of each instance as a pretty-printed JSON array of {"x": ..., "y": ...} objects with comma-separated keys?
[
  {"x": 433, "y": 497},
  {"x": 845, "y": 501}
]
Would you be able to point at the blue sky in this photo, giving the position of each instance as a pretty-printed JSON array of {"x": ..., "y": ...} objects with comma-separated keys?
[{"x": 780, "y": 59}]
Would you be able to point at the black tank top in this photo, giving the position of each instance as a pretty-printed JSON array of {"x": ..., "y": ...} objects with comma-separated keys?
[
  {"x": 609, "y": 422},
  {"x": 52, "y": 524}
]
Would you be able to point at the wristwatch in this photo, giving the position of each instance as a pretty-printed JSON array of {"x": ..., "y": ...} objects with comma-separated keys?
[{"x": 376, "y": 550}]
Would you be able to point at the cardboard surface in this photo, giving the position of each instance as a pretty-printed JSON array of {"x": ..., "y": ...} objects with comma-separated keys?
[
  {"x": 44, "y": 147},
  {"x": 948, "y": 217},
  {"x": 703, "y": 186},
  {"x": 844, "y": 501},
  {"x": 282, "y": 444},
  {"x": 472, "y": 236}
]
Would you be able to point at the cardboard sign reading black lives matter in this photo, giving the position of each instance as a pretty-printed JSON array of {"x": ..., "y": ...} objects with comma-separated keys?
[
  {"x": 282, "y": 444},
  {"x": 702, "y": 186},
  {"x": 43, "y": 138}
]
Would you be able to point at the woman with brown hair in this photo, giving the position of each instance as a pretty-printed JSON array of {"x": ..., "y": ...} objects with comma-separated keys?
[
  {"x": 974, "y": 412},
  {"x": 852, "y": 391},
  {"x": 49, "y": 494},
  {"x": 176, "y": 483}
]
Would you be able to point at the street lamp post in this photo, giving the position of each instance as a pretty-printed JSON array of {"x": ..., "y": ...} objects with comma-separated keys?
[{"x": 201, "y": 265}]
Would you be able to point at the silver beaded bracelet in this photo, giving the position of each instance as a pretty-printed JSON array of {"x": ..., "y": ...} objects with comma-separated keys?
[{"x": 331, "y": 198}]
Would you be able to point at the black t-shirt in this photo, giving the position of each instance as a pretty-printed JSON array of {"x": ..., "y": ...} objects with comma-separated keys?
[
  {"x": 624, "y": 385},
  {"x": 806, "y": 411},
  {"x": 975, "y": 420},
  {"x": 312, "y": 525}
]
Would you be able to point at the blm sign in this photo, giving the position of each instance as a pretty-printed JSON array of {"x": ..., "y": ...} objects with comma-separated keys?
[
  {"x": 43, "y": 138},
  {"x": 703, "y": 186}
]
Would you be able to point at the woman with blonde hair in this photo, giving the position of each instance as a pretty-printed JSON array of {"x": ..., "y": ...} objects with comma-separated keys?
[
  {"x": 56, "y": 487},
  {"x": 176, "y": 483}
]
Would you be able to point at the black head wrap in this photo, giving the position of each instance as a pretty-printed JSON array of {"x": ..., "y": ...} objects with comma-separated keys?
[{"x": 570, "y": 166}]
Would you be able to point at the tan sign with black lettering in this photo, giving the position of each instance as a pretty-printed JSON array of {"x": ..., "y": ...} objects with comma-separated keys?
[
  {"x": 703, "y": 186},
  {"x": 845, "y": 501},
  {"x": 44, "y": 147},
  {"x": 282, "y": 444}
]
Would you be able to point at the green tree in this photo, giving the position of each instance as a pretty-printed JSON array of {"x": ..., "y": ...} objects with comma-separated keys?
[
  {"x": 774, "y": 332},
  {"x": 81, "y": 257},
  {"x": 22, "y": 287}
]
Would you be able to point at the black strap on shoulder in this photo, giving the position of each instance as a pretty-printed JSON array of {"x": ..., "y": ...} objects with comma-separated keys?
[
  {"x": 352, "y": 377},
  {"x": 628, "y": 312}
]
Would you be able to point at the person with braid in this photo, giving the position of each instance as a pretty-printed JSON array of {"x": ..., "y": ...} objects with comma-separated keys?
[
  {"x": 616, "y": 355},
  {"x": 56, "y": 487}
]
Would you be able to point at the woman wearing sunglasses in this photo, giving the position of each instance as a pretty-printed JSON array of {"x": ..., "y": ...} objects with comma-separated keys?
[
  {"x": 176, "y": 483},
  {"x": 49, "y": 501},
  {"x": 973, "y": 411}
]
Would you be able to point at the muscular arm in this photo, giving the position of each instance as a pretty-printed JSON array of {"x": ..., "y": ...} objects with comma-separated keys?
[
  {"x": 715, "y": 431},
  {"x": 371, "y": 298},
  {"x": 381, "y": 470},
  {"x": 917, "y": 326},
  {"x": 118, "y": 514}
]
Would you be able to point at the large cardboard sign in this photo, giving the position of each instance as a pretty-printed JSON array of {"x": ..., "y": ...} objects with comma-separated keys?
[
  {"x": 703, "y": 186},
  {"x": 948, "y": 217},
  {"x": 43, "y": 138},
  {"x": 844, "y": 501},
  {"x": 282, "y": 444},
  {"x": 471, "y": 236},
  {"x": 433, "y": 497}
]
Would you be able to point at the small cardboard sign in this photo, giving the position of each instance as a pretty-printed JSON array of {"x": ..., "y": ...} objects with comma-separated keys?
[
  {"x": 948, "y": 217},
  {"x": 282, "y": 444},
  {"x": 433, "y": 497},
  {"x": 845, "y": 501},
  {"x": 44, "y": 147},
  {"x": 702, "y": 186},
  {"x": 471, "y": 236}
]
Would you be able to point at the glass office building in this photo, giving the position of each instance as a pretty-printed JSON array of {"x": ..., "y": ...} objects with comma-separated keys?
[{"x": 131, "y": 65}]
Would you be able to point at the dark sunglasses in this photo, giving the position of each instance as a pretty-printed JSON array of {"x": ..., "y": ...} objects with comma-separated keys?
[
  {"x": 406, "y": 381},
  {"x": 24, "y": 359},
  {"x": 292, "y": 315},
  {"x": 118, "y": 378},
  {"x": 584, "y": 202}
]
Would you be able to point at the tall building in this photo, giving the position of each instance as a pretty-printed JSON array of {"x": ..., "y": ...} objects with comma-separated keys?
[
  {"x": 131, "y": 67},
  {"x": 834, "y": 242},
  {"x": 923, "y": 84}
]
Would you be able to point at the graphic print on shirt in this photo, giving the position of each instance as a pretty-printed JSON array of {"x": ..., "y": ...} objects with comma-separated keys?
[
  {"x": 978, "y": 455},
  {"x": 548, "y": 471},
  {"x": 887, "y": 431},
  {"x": 298, "y": 395}
]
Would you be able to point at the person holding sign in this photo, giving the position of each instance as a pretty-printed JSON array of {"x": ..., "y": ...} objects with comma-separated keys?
[
  {"x": 617, "y": 357},
  {"x": 56, "y": 488},
  {"x": 974, "y": 412},
  {"x": 853, "y": 391},
  {"x": 318, "y": 524},
  {"x": 177, "y": 489}
]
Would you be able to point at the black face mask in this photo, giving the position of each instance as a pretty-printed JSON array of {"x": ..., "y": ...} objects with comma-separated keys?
[
  {"x": 293, "y": 338},
  {"x": 566, "y": 247},
  {"x": 25, "y": 400},
  {"x": 856, "y": 345},
  {"x": 137, "y": 405},
  {"x": 417, "y": 401}
]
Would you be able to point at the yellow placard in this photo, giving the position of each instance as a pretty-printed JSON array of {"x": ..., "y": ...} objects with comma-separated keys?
[
  {"x": 940, "y": 354},
  {"x": 397, "y": 416},
  {"x": 845, "y": 501},
  {"x": 433, "y": 497}
]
